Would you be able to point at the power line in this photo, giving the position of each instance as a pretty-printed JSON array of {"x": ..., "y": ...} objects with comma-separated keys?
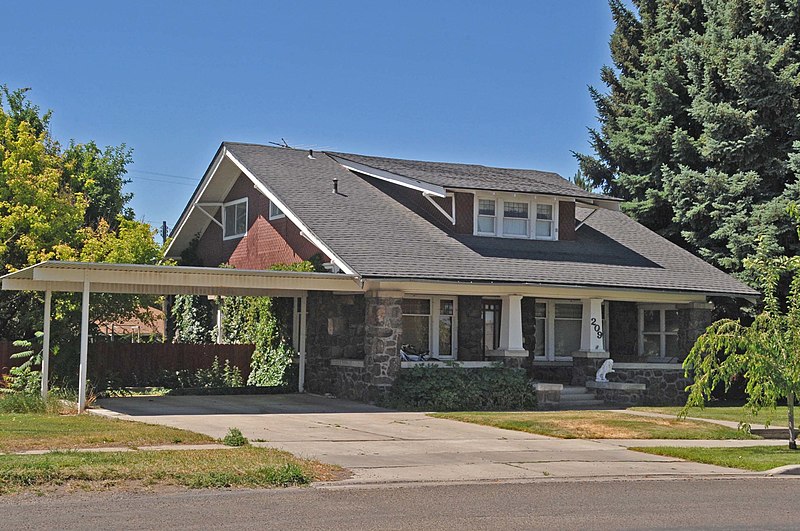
[
  {"x": 172, "y": 175},
  {"x": 136, "y": 179}
]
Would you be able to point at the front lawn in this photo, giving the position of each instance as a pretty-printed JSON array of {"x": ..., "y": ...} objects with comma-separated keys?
[
  {"x": 597, "y": 425},
  {"x": 756, "y": 458},
  {"x": 732, "y": 413},
  {"x": 236, "y": 467},
  {"x": 41, "y": 431}
]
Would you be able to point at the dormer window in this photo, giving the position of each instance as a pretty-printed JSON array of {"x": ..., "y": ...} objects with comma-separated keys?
[
  {"x": 515, "y": 219},
  {"x": 486, "y": 216},
  {"x": 544, "y": 221},
  {"x": 234, "y": 219},
  {"x": 516, "y": 216}
]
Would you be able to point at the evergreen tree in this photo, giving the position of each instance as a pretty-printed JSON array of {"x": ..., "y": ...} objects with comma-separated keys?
[{"x": 700, "y": 122}]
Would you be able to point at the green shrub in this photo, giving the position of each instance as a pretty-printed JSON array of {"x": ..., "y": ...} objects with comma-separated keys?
[
  {"x": 32, "y": 403},
  {"x": 235, "y": 438},
  {"x": 456, "y": 388}
]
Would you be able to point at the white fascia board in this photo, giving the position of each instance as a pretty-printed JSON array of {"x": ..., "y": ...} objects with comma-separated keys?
[
  {"x": 292, "y": 217},
  {"x": 533, "y": 290},
  {"x": 414, "y": 184},
  {"x": 196, "y": 198}
]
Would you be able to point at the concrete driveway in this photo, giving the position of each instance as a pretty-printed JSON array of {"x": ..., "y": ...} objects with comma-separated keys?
[{"x": 384, "y": 446}]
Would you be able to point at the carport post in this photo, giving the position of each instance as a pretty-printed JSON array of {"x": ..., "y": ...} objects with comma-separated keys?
[
  {"x": 48, "y": 296},
  {"x": 84, "y": 348},
  {"x": 302, "y": 362}
]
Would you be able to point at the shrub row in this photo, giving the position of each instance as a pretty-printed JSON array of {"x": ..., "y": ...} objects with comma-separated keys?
[{"x": 457, "y": 388}]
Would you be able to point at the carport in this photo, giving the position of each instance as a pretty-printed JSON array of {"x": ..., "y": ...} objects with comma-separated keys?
[{"x": 91, "y": 277}]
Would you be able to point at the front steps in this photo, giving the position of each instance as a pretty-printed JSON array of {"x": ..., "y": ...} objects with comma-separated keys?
[
  {"x": 553, "y": 396},
  {"x": 578, "y": 397}
]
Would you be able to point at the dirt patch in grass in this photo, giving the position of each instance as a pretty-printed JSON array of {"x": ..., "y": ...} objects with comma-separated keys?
[
  {"x": 236, "y": 467},
  {"x": 597, "y": 425},
  {"x": 34, "y": 431},
  {"x": 756, "y": 458}
]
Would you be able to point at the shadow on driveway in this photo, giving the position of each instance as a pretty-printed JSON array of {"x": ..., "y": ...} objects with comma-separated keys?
[{"x": 295, "y": 403}]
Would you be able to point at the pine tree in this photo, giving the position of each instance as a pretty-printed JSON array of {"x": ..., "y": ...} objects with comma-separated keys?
[{"x": 700, "y": 122}]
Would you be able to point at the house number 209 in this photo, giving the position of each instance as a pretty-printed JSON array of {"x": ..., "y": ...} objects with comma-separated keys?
[{"x": 597, "y": 328}]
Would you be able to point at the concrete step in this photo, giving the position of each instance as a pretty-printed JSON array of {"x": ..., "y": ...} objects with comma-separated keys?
[{"x": 573, "y": 390}]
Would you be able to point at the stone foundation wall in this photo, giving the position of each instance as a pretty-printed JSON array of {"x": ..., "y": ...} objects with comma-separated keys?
[
  {"x": 620, "y": 397},
  {"x": 665, "y": 387},
  {"x": 584, "y": 369},
  {"x": 349, "y": 383},
  {"x": 555, "y": 374}
]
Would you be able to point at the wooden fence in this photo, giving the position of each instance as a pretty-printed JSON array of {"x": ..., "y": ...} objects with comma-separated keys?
[
  {"x": 135, "y": 363},
  {"x": 6, "y": 350}
]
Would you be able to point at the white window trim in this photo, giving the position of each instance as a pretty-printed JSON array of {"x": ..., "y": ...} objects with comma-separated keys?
[
  {"x": 662, "y": 333},
  {"x": 246, "y": 217},
  {"x": 276, "y": 216},
  {"x": 550, "y": 327},
  {"x": 531, "y": 200},
  {"x": 433, "y": 323}
]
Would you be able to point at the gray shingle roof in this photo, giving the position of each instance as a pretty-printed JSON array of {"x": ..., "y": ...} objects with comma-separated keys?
[
  {"x": 476, "y": 177},
  {"x": 380, "y": 237}
]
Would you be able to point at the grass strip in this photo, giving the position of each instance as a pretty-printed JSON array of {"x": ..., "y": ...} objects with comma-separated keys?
[
  {"x": 40, "y": 431},
  {"x": 776, "y": 417},
  {"x": 756, "y": 458},
  {"x": 597, "y": 425},
  {"x": 238, "y": 467}
]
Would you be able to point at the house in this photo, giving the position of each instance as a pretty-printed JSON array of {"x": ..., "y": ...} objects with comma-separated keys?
[{"x": 472, "y": 263}]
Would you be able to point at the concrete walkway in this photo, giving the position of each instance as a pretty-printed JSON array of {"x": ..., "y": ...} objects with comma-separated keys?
[{"x": 383, "y": 446}]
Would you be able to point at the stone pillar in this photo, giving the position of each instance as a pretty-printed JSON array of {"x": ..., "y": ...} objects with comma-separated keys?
[
  {"x": 470, "y": 328},
  {"x": 384, "y": 327},
  {"x": 694, "y": 318}
]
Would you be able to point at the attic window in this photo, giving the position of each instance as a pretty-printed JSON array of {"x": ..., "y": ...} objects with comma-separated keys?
[
  {"x": 274, "y": 211},
  {"x": 514, "y": 215},
  {"x": 234, "y": 219}
]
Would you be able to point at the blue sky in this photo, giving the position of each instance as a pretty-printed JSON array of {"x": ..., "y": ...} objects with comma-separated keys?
[{"x": 498, "y": 83}]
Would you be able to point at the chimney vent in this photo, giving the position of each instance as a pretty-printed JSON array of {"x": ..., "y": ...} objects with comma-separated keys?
[{"x": 335, "y": 185}]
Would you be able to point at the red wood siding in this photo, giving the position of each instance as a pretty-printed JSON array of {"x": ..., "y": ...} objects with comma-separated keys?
[
  {"x": 465, "y": 211},
  {"x": 566, "y": 220},
  {"x": 266, "y": 243}
]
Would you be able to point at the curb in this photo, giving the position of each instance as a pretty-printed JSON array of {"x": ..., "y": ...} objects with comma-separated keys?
[{"x": 785, "y": 470}]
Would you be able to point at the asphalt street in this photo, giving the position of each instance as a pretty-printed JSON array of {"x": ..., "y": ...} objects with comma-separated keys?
[{"x": 741, "y": 503}]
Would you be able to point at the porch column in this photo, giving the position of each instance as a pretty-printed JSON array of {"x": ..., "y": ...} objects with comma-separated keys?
[
  {"x": 592, "y": 332},
  {"x": 511, "y": 340},
  {"x": 48, "y": 295},
  {"x": 303, "y": 317},
  {"x": 84, "y": 348},
  {"x": 220, "y": 336}
]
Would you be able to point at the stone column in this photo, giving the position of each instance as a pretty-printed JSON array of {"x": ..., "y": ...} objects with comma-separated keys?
[
  {"x": 694, "y": 318},
  {"x": 384, "y": 327}
]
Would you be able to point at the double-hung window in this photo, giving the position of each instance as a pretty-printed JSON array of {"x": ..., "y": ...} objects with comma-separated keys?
[
  {"x": 658, "y": 332},
  {"x": 429, "y": 324},
  {"x": 234, "y": 219},
  {"x": 515, "y": 219},
  {"x": 486, "y": 216},
  {"x": 544, "y": 221},
  {"x": 558, "y": 327}
]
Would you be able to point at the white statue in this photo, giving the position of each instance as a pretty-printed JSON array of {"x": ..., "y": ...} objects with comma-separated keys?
[{"x": 603, "y": 371}]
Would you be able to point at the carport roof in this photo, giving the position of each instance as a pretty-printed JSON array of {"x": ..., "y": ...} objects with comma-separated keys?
[{"x": 172, "y": 280}]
